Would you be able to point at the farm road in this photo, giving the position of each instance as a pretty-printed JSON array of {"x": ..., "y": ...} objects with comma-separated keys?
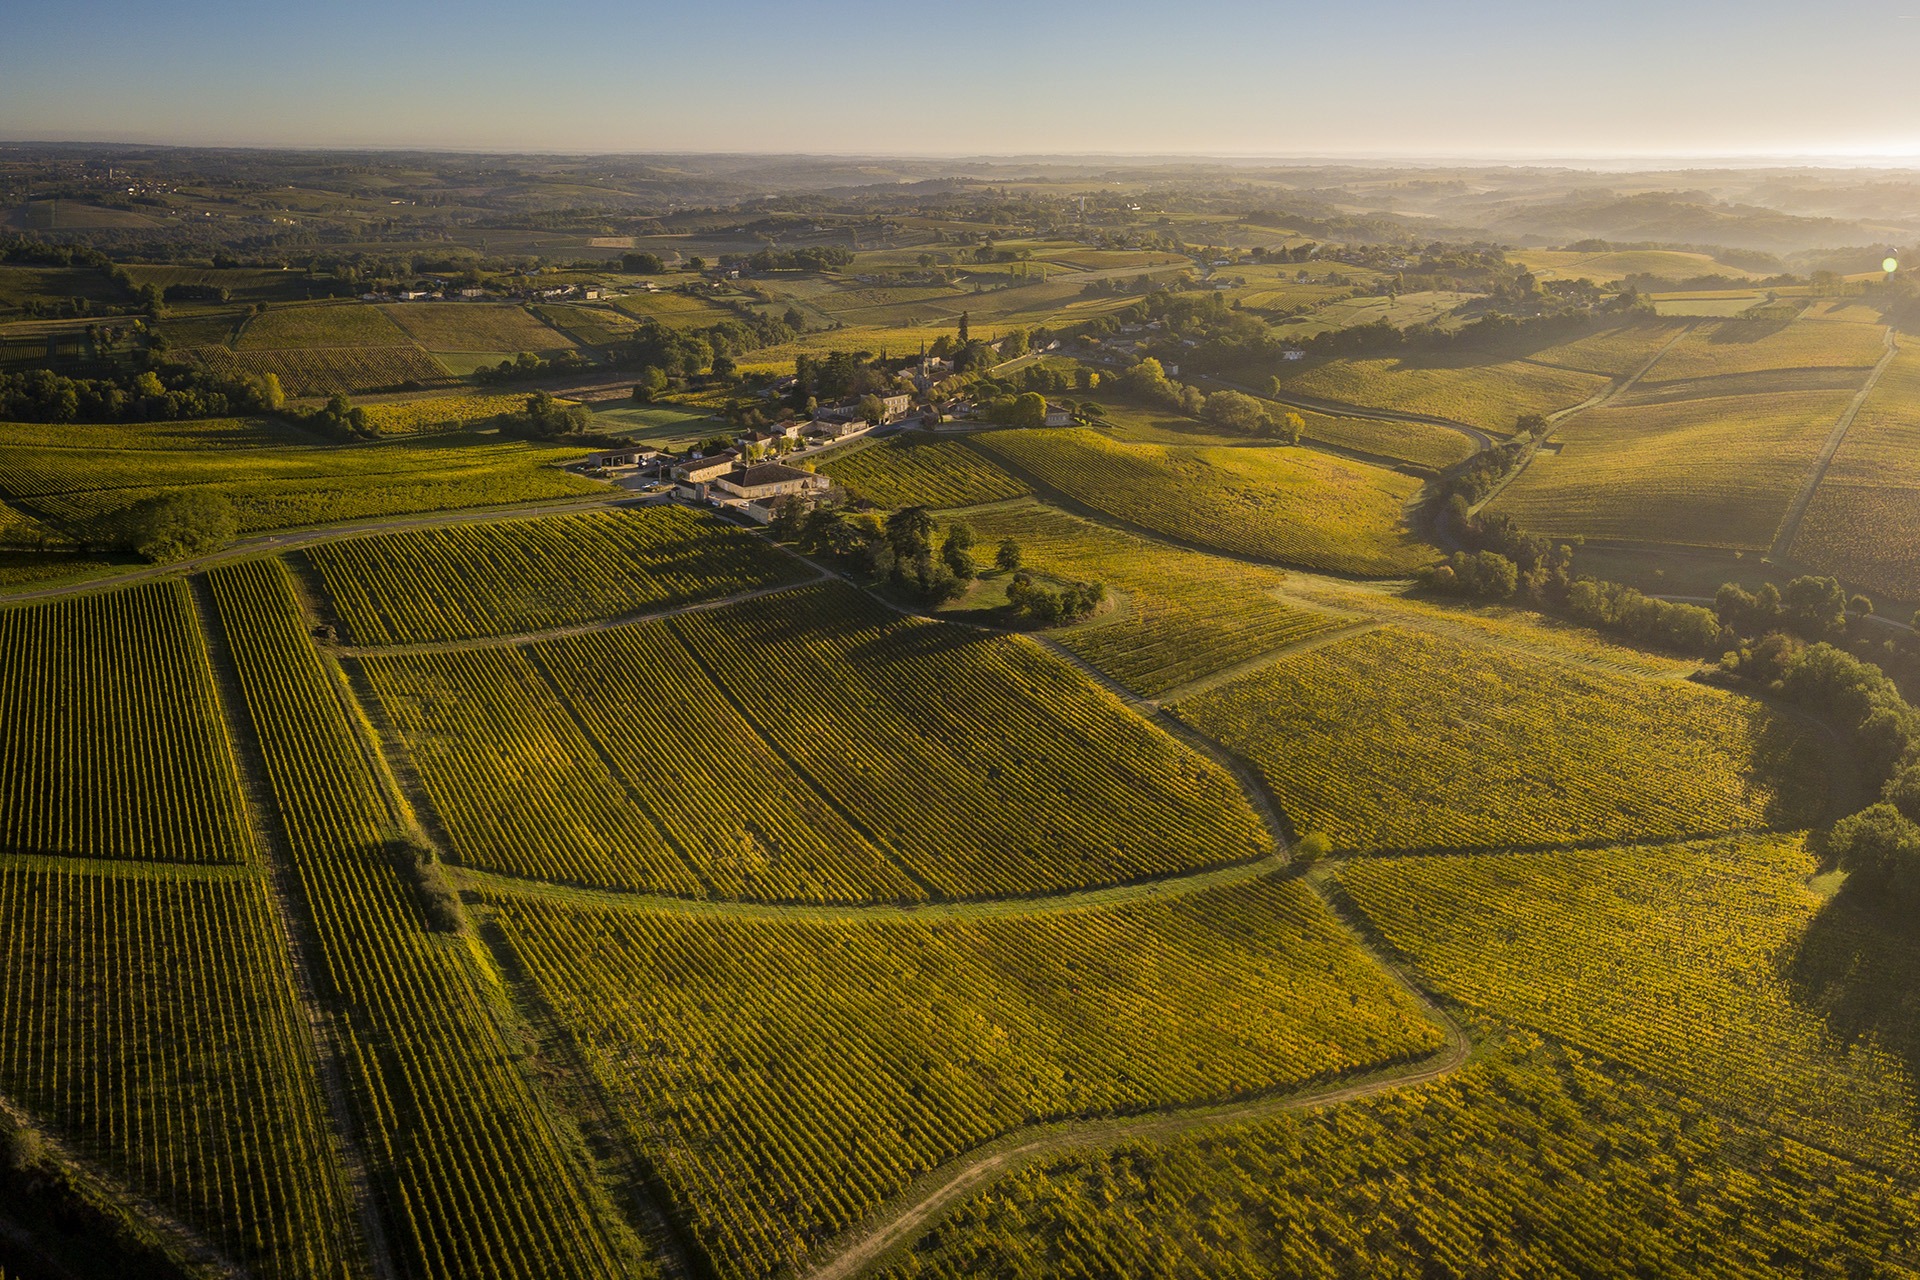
[
  {"x": 1790, "y": 527},
  {"x": 517, "y": 639},
  {"x": 949, "y": 1184},
  {"x": 1342, "y": 409},
  {"x": 287, "y": 540},
  {"x": 1606, "y": 395}
]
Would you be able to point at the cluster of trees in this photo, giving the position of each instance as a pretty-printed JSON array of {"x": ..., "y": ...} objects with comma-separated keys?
[
  {"x": 1235, "y": 411},
  {"x": 687, "y": 353},
  {"x": 339, "y": 417},
  {"x": 839, "y": 375},
  {"x": 642, "y": 264},
  {"x": 163, "y": 391},
  {"x": 546, "y": 418},
  {"x": 902, "y": 551},
  {"x": 527, "y": 365},
  {"x": 174, "y": 525},
  {"x": 1046, "y": 605},
  {"x": 1879, "y": 846},
  {"x": 821, "y": 258}
]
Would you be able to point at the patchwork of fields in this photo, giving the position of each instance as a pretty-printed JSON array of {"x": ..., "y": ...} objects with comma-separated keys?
[{"x": 618, "y": 893}]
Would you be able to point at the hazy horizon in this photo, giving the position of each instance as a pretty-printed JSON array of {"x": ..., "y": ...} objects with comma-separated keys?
[{"x": 1383, "y": 80}]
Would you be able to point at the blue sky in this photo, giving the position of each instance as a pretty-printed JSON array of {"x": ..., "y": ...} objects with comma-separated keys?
[{"x": 1380, "y": 77}]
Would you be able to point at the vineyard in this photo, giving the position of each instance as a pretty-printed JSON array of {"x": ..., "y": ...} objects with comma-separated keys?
[
  {"x": 1678, "y": 963},
  {"x": 1869, "y": 533},
  {"x": 533, "y": 575},
  {"x": 1883, "y": 445},
  {"x": 111, "y": 741},
  {"x": 987, "y": 766},
  {"x": 322, "y": 371},
  {"x": 1488, "y": 396},
  {"x": 152, "y": 1022},
  {"x": 787, "y": 1078},
  {"x": 474, "y": 326},
  {"x": 439, "y": 413},
  {"x": 1402, "y": 740},
  {"x": 1419, "y": 443},
  {"x": 1714, "y": 472},
  {"x": 910, "y": 471},
  {"x": 276, "y": 486},
  {"x": 893, "y": 760},
  {"x": 1533, "y": 1161},
  {"x": 474, "y": 1178},
  {"x": 1184, "y": 614},
  {"x": 1726, "y": 347},
  {"x": 326, "y": 325},
  {"x": 751, "y": 824},
  {"x": 1287, "y": 505}
]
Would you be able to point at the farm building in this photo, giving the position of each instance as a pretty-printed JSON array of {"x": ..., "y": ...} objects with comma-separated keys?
[
  {"x": 767, "y": 480},
  {"x": 634, "y": 455},
  {"x": 698, "y": 471}
]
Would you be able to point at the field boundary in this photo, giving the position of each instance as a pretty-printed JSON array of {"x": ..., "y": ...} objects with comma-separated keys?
[
  {"x": 1606, "y": 395},
  {"x": 300, "y": 936},
  {"x": 1790, "y": 525},
  {"x": 289, "y": 539},
  {"x": 519, "y": 639}
]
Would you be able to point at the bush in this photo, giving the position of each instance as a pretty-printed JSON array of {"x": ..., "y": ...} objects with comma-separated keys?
[
  {"x": 1311, "y": 847},
  {"x": 417, "y": 863},
  {"x": 22, "y": 1150}
]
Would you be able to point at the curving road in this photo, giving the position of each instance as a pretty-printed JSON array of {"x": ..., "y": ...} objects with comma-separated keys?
[{"x": 952, "y": 1182}]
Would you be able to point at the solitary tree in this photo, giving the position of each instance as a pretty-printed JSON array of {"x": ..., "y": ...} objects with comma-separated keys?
[
  {"x": 910, "y": 531},
  {"x": 1007, "y": 558}
]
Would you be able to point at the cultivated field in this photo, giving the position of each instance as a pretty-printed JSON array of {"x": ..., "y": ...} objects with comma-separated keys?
[
  {"x": 1709, "y": 984},
  {"x": 474, "y": 326},
  {"x": 1535, "y": 1160},
  {"x": 797, "y": 1075},
  {"x": 1401, "y": 740},
  {"x": 1179, "y": 615},
  {"x": 1716, "y": 472},
  {"x": 474, "y": 1176},
  {"x": 111, "y": 733},
  {"x": 1489, "y": 396},
  {"x": 1728, "y": 347},
  {"x": 152, "y": 1023},
  {"x": 439, "y": 413},
  {"x": 482, "y": 580},
  {"x": 274, "y": 478},
  {"x": 534, "y": 763},
  {"x": 1287, "y": 505},
  {"x": 909, "y": 470},
  {"x": 348, "y": 324}
]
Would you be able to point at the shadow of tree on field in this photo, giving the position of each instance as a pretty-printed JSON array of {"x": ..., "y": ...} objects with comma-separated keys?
[
  {"x": 1801, "y": 786},
  {"x": 1745, "y": 331},
  {"x": 1858, "y": 967}
]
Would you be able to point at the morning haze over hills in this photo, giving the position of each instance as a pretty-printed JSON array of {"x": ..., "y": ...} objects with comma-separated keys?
[{"x": 819, "y": 642}]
